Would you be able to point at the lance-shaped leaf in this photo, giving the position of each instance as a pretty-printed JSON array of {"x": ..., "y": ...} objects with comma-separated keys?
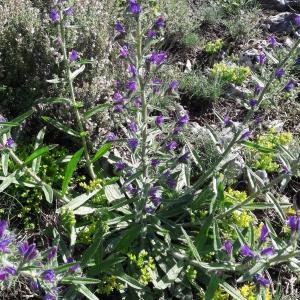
[
  {"x": 191, "y": 245},
  {"x": 257, "y": 147},
  {"x": 22, "y": 117},
  {"x": 79, "y": 280},
  {"x": 212, "y": 287},
  {"x": 39, "y": 141},
  {"x": 129, "y": 280},
  {"x": 104, "y": 149},
  {"x": 232, "y": 291},
  {"x": 77, "y": 72},
  {"x": 70, "y": 169},
  {"x": 82, "y": 289},
  {"x": 48, "y": 192},
  {"x": 60, "y": 126},
  {"x": 53, "y": 100},
  {"x": 4, "y": 160},
  {"x": 98, "y": 108},
  {"x": 39, "y": 152}
]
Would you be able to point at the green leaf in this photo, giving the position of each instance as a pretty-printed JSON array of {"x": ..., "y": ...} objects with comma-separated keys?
[
  {"x": 80, "y": 200},
  {"x": 277, "y": 207},
  {"x": 39, "y": 141},
  {"x": 113, "y": 192},
  {"x": 65, "y": 267},
  {"x": 8, "y": 124},
  {"x": 129, "y": 280},
  {"x": 79, "y": 280},
  {"x": 212, "y": 287},
  {"x": 54, "y": 80},
  {"x": 105, "y": 148},
  {"x": 48, "y": 192},
  {"x": 98, "y": 108},
  {"x": 191, "y": 245},
  {"x": 4, "y": 160},
  {"x": 127, "y": 239},
  {"x": 257, "y": 147},
  {"x": 70, "y": 169},
  {"x": 22, "y": 117},
  {"x": 38, "y": 153},
  {"x": 60, "y": 126},
  {"x": 232, "y": 291},
  {"x": 53, "y": 100},
  {"x": 87, "y": 293},
  {"x": 7, "y": 181},
  {"x": 77, "y": 72},
  {"x": 202, "y": 236},
  {"x": 106, "y": 265}
]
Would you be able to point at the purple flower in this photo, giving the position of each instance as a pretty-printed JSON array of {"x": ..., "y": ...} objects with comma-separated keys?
[
  {"x": 49, "y": 296},
  {"x": 31, "y": 252},
  {"x": 258, "y": 120},
  {"x": 131, "y": 85},
  {"x": 132, "y": 70},
  {"x": 73, "y": 55},
  {"x": 3, "y": 226},
  {"x": 52, "y": 253},
  {"x": 48, "y": 275},
  {"x": 151, "y": 34},
  {"x": 3, "y": 275},
  {"x": 4, "y": 245},
  {"x": 159, "y": 120},
  {"x": 184, "y": 158},
  {"x": 183, "y": 120},
  {"x": 171, "y": 182},
  {"x": 153, "y": 192},
  {"x": 258, "y": 89},
  {"x": 118, "y": 98},
  {"x": 149, "y": 210},
  {"x": 133, "y": 143},
  {"x": 10, "y": 270},
  {"x": 157, "y": 58},
  {"x": 167, "y": 173},
  {"x": 173, "y": 85},
  {"x": 227, "y": 121},
  {"x": 272, "y": 41},
  {"x": 119, "y": 27},
  {"x": 253, "y": 103},
  {"x": 132, "y": 126},
  {"x": 118, "y": 108},
  {"x": 131, "y": 189},
  {"x": 69, "y": 11},
  {"x": 137, "y": 102},
  {"x": 261, "y": 58},
  {"x": 111, "y": 137},
  {"x": 267, "y": 251},
  {"x": 246, "y": 135},
  {"x": 120, "y": 165},
  {"x": 297, "y": 20},
  {"x": 279, "y": 73},
  {"x": 54, "y": 15},
  {"x": 156, "y": 85},
  {"x": 156, "y": 201},
  {"x": 124, "y": 52},
  {"x": 10, "y": 143},
  {"x": 177, "y": 129},
  {"x": 227, "y": 247},
  {"x": 154, "y": 163},
  {"x": 160, "y": 22},
  {"x": 262, "y": 281},
  {"x": 246, "y": 251},
  {"x": 75, "y": 268},
  {"x": 134, "y": 7},
  {"x": 171, "y": 146},
  {"x": 34, "y": 285},
  {"x": 23, "y": 247},
  {"x": 298, "y": 60},
  {"x": 293, "y": 223},
  {"x": 290, "y": 85},
  {"x": 264, "y": 233}
]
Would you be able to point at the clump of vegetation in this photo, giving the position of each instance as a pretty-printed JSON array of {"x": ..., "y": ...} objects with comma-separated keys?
[{"x": 213, "y": 46}]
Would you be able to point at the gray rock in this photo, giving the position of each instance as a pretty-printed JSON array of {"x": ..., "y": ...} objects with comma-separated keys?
[
  {"x": 248, "y": 58},
  {"x": 280, "y": 5},
  {"x": 235, "y": 91},
  {"x": 281, "y": 23}
]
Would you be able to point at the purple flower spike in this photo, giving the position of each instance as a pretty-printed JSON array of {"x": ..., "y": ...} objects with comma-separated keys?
[
  {"x": 118, "y": 98},
  {"x": 132, "y": 126},
  {"x": 131, "y": 189},
  {"x": 261, "y": 58},
  {"x": 4, "y": 245},
  {"x": 246, "y": 135},
  {"x": 10, "y": 143},
  {"x": 119, "y": 27},
  {"x": 73, "y": 55},
  {"x": 171, "y": 182},
  {"x": 262, "y": 281},
  {"x": 3, "y": 275},
  {"x": 118, "y": 108},
  {"x": 298, "y": 60},
  {"x": 149, "y": 210},
  {"x": 49, "y": 296},
  {"x": 124, "y": 52},
  {"x": 151, "y": 34},
  {"x": 227, "y": 247},
  {"x": 34, "y": 285},
  {"x": 52, "y": 253},
  {"x": 253, "y": 103},
  {"x": 133, "y": 143},
  {"x": 159, "y": 120},
  {"x": 154, "y": 163},
  {"x": 156, "y": 201},
  {"x": 258, "y": 89},
  {"x": 293, "y": 223},
  {"x": 48, "y": 275},
  {"x": 54, "y": 15},
  {"x": 160, "y": 22},
  {"x": 120, "y": 165},
  {"x": 267, "y": 251},
  {"x": 177, "y": 129},
  {"x": 297, "y": 20},
  {"x": 279, "y": 73},
  {"x": 258, "y": 120},
  {"x": 246, "y": 251},
  {"x": 31, "y": 252},
  {"x": 227, "y": 121},
  {"x": 132, "y": 70},
  {"x": 153, "y": 192},
  {"x": 23, "y": 248},
  {"x": 69, "y": 11},
  {"x": 264, "y": 233},
  {"x": 272, "y": 41},
  {"x": 173, "y": 85},
  {"x": 134, "y": 7},
  {"x": 75, "y": 268},
  {"x": 290, "y": 85},
  {"x": 137, "y": 102},
  {"x": 10, "y": 270},
  {"x": 111, "y": 137},
  {"x": 183, "y": 120},
  {"x": 131, "y": 85},
  {"x": 171, "y": 146},
  {"x": 184, "y": 158},
  {"x": 3, "y": 226}
]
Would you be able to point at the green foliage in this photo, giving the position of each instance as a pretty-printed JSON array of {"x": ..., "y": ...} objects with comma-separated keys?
[{"x": 213, "y": 46}]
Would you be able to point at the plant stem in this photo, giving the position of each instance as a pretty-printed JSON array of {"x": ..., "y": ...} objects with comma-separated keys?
[{"x": 76, "y": 112}]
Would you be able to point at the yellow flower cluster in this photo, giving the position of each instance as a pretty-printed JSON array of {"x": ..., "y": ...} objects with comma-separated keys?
[
  {"x": 242, "y": 218},
  {"x": 110, "y": 284},
  {"x": 213, "y": 46},
  {"x": 236, "y": 74},
  {"x": 249, "y": 292},
  {"x": 234, "y": 196}
]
